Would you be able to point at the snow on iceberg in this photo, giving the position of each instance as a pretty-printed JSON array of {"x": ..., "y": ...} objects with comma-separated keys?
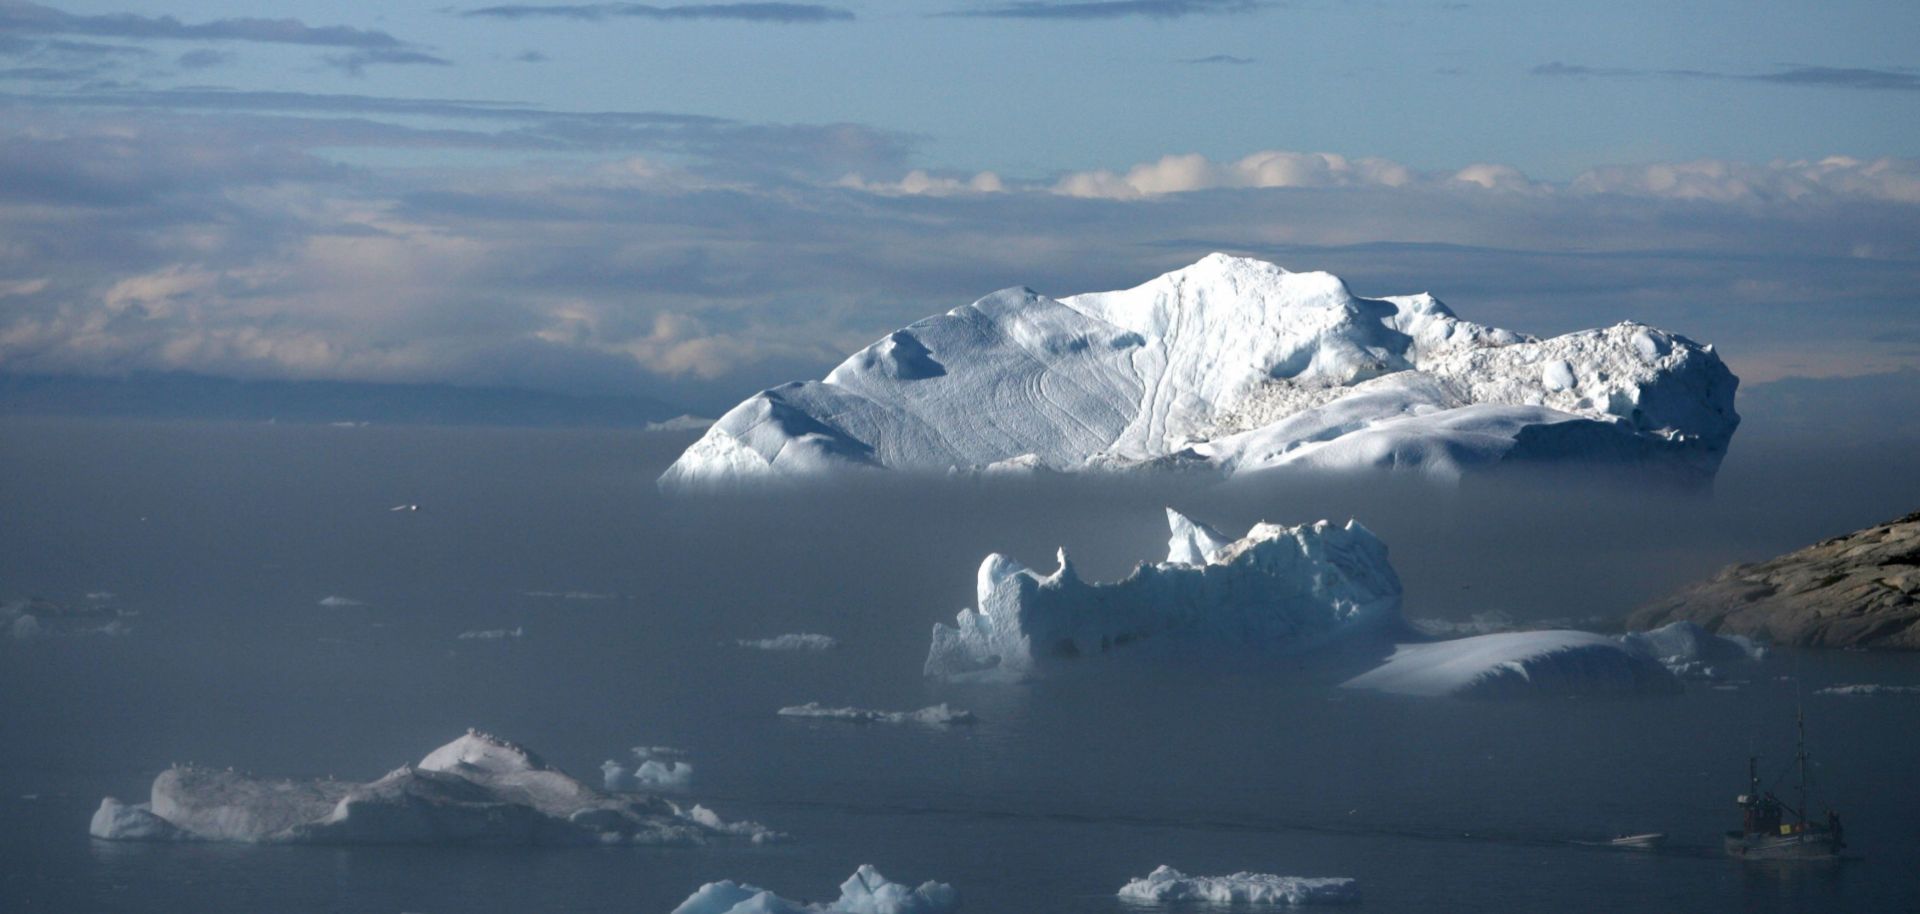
[
  {"x": 865, "y": 892},
  {"x": 939, "y": 715},
  {"x": 1520, "y": 664},
  {"x": 1295, "y": 588},
  {"x": 804, "y": 641},
  {"x": 477, "y": 789},
  {"x": 1167, "y": 884},
  {"x": 1236, "y": 366}
]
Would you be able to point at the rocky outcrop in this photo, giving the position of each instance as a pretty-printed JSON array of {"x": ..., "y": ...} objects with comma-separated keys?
[{"x": 1858, "y": 590}]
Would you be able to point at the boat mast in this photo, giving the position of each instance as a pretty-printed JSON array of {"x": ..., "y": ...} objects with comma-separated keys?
[{"x": 1800, "y": 756}]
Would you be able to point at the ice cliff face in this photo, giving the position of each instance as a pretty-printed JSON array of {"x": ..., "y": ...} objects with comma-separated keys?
[
  {"x": 1236, "y": 366},
  {"x": 1295, "y": 588}
]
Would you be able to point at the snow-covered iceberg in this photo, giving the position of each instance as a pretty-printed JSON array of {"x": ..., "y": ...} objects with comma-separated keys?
[
  {"x": 1167, "y": 884},
  {"x": 1520, "y": 665},
  {"x": 478, "y": 789},
  {"x": 1292, "y": 588},
  {"x": 865, "y": 892},
  {"x": 1234, "y": 366}
]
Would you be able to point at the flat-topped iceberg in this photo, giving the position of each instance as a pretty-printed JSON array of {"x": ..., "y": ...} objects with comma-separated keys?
[
  {"x": 1520, "y": 665},
  {"x": 1291, "y": 588},
  {"x": 1234, "y": 366},
  {"x": 477, "y": 789},
  {"x": 865, "y": 892},
  {"x": 1166, "y": 884}
]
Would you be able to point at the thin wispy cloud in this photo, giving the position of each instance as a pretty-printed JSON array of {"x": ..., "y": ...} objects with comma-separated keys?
[
  {"x": 20, "y": 17},
  {"x": 355, "y": 63},
  {"x": 1865, "y": 78},
  {"x": 1108, "y": 9},
  {"x": 1225, "y": 59},
  {"x": 793, "y": 13}
]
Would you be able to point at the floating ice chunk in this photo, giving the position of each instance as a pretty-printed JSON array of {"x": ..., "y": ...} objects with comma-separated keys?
[
  {"x": 1519, "y": 664},
  {"x": 339, "y": 601},
  {"x": 653, "y": 769},
  {"x": 939, "y": 715},
  {"x": 1167, "y": 884},
  {"x": 681, "y": 423},
  {"x": 492, "y": 634},
  {"x": 865, "y": 892},
  {"x": 477, "y": 789},
  {"x": 1865, "y": 689},
  {"x": 1290, "y": 588},
  {"x": 1690, "y": 651},
  {"x": 793, "y": 642}
]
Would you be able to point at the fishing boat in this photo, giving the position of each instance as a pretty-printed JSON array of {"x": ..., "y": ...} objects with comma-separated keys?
[{"x": 1772, "y": 829}]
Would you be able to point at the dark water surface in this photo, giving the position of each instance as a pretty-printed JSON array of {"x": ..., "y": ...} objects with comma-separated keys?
[{"x": 224, "y": 537}]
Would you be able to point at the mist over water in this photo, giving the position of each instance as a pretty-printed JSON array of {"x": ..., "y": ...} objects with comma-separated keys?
[{"x": 226, "y": 538}]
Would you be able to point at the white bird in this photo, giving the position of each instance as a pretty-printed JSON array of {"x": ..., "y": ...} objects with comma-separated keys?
[{"x": 404, "y": 508}]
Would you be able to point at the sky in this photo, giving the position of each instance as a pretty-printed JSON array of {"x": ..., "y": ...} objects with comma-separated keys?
[{"x": 693, "y": 201}]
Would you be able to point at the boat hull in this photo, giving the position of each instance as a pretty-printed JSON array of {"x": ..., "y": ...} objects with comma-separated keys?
[{"x": 1805, "y": 845}]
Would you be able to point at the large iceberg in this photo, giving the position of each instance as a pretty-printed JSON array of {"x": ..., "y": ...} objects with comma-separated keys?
[
  {"x": 1520, "y": 665},
  {"x": 1235, "y": 366},
  {"x": 865, "y": 892},
  {"x": 1166, "y": 884},
  {"x": 478, "y": 789},
  {"x": 1293, "y": 588}
]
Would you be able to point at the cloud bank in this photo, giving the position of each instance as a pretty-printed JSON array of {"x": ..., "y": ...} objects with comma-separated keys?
[
  {"x": 696, "y": 258},
  {"x": 596, "y": 12}
]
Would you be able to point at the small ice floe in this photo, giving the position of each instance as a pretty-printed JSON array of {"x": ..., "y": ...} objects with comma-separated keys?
[
  {"x": 1862, "y": 689},
  {"x": 1168, "y": 884},
  {"x": 478, "y": 789},
  {"x": 681, "y": 423},
  {"x": 336, "y": 602},
  {"x": 865, "y": 892},
  {"x": 492, "y": 634},
  {"x": 939, "y": 715},
  {"x": 795, "y": 642},
  {"x": 34, "y": 618},
  {"x": 654, "y": 768}
]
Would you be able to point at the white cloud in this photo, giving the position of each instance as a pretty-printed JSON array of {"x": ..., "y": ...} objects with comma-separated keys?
[{"x": 918, "y": 183}]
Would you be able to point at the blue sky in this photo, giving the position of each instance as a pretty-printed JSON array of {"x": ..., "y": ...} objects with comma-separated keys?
[{"x": 693, "y": 200}]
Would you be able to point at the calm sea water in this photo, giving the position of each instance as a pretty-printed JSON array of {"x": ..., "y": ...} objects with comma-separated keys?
[{"x": 226, "y": 537}]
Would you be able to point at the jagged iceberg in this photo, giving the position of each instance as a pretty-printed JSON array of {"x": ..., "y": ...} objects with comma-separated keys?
[
  {"x": 1294, "y": 588},
  {"x": 1520, "y": 664},
  {"x": 478, "y": 789},
  {"x": 1166, "y": 884},
  {"x": 1234, "y": 366},
  {"x": 865, "y": 892}
]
